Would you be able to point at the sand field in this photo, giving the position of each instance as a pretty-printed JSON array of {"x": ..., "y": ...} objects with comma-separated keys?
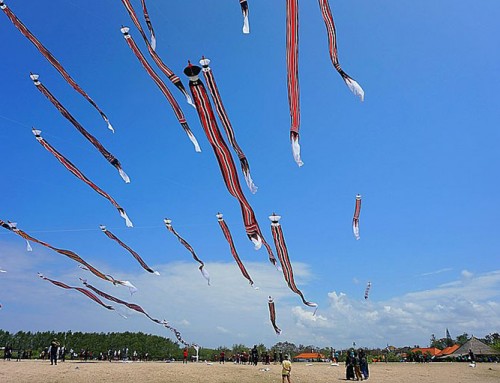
[{"x": 78, "y": 372}]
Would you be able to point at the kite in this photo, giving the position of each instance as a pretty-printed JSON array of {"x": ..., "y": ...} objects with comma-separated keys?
[
  {"x": 355, "y": 219},
  {"x": 76, "y": 172},
  {"x": 229, "y": 239},
  {"x": 272, "y": 315},
  {"x": 292, "y": 62},
  {"x": 332, "y": 42},
  {"x": 45, "y": 52},
  {"x": 175, "y": 106},
  {"x": 2, "y": 271},
  {"x": 221, "y": 112},
  {"x": 282, "y": 251},
  {"x": 244, "y": 10},
  {"x": 80, "y": 289},
  {"x": 223, "y": 155},
  {"x": 137, "y": 308},
  {"x": 204, "y": 272},
  {"x": 152, "y": 46},
  {"x": 12, "y": 226},
  {"x": 109, "y": 157},
  {"x": 110, "y": 235},
  {"x": 367, "y": 290}
]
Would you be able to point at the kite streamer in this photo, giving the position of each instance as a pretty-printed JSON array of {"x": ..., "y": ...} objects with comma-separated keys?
[
  {"x": 175, "y": 106},
  {"x": 221, "y": 112},
  {"x": 80, "y": 289},
  {"x": 204, "y": 272},
  {"x": 367, "y": 290},
  {"x": 332, "y": 42},
  {"x": 229, "y": 239},
  {"x": 110, "y": 235},
  {"x": 272, "y": 315},
  {"x": 223, "y": 155},
  {"x": 292, "y": 64},
  {"x": 282, "y": 251},
  {"x": 2, "y": 271},
  {"x": 76, "y": 172},
  {"x": 109, "y": 157},
  {"x": 12, "y": 226},
  {"x": 244, "y": 10},
  {"x": 355, "y": 219},
  {"x": 50, "y": 58},
  {"x": 152, "y": 46}
]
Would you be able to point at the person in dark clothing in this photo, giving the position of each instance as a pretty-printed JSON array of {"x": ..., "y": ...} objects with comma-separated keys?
[
  {"x": 357, "y": 370},
  {"x": 53, "y": 351},
  {"x": 363, "y": 363},
  {"x": 255, "y": 355},
  {"x": 349, "y": 367},
  {"x": 281, "y": 356}
]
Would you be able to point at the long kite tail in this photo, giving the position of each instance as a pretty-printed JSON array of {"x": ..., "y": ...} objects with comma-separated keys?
[
  {"x": 221, "y": 112},
  {"x": 244, "y": 11},
  {"x": 86, "y": 292},
  {"x": 107, "y": 155},
  {"x": 367, "y": 290},
  {"x": 292, "y": 65},
  {"x": 152, "y": 46},
  {"x": 77, "y": 173},
  {"x": 204, "y": 272},
  {"x": 229, "y": 239},
  {"x": 355, "y": 219},
  {"x": 332, "y": 42},
  {"x": 272, "y": 315},
  {"x": 138, "y": 258},
  {"x": 158, "y": 81},
  {"x": 50, "y": 58},
  {"x": 12, "y": 226},
  {"x": 282, "y": 251},
  {"x": 222, "y": 153}
]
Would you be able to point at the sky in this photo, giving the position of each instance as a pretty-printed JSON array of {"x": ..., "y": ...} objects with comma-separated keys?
[{"x": 421, "y": 150}]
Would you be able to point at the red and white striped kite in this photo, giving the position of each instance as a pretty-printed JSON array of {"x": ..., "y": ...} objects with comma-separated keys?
[
  {"x": 109, "y": 157},
  {"x": 272, "y": 315},
  {"x": 355, "y": 219},
  {"x": 223, "y": 155},
  {"x": 221, "y": 112},
  {"x": 138, "y": 258},
  {"x": 282, "y": 251},
  {"x": 332, "y": 42},
  {"x": 229, "y": 239},
  {"x": 244, "y": 10},
  {"x": 204, "y": 272},
  {"x": 50, "y": 58},
  {"x": 158, "y": 81},
  {"x": 77, "y": 173}
]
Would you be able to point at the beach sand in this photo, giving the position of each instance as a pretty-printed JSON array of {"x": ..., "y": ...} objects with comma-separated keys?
[{"x": 78, "y": 372}]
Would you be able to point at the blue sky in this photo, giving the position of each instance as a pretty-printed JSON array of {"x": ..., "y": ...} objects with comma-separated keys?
[{"x": 421, "y": 149}]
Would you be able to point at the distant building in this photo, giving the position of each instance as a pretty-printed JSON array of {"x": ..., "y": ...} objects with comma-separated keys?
[{"x": 309, "y": 357}]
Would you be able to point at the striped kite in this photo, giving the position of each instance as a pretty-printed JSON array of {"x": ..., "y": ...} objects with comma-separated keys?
[
  {"x": 355, "y": 219},
  {"x": 367, "y": 290},
  {"x": 158, "y": 81},
  {"x": 332, "y": 42},
  {"x": 109, "y": 157},
  {"x": 50, "y": 58},
  {"x": 229, "y": 239},
  {"x": 272, "y": 315},
  {"x": 204, "y": 272},
  {"x": 80, "y": 289},
  {"x": 223, "y": 155},
  {"x": 244, "y": 10},
  {"x": 138, "y": 258},
  {"x": 12, "y": 226},
  {"x": 152, "y": 46},
  {"x": 221, "y": 112},
  {"x": 282, "y": 251},
  {"x": 77, "y": 173}
]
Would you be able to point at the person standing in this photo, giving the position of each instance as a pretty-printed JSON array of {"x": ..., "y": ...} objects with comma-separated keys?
[
  {"x": 357, "y": 369},
  {"x": 363, "y": 364},
  {"x": 53, "y": 351},
  {"x": 222, "y": 357},
  {"x": 255, "y": 355},
  {"x": 185, "y": 356},
  {"x": 286, "y": 369}
]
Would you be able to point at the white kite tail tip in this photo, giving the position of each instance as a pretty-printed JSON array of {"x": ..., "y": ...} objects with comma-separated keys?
[
  {"x": 110, "y": 127},
  {"x": 355, "y": 88},
  {"x": 124, "y": 215},
  {"x": 156, "y": 273},
  {"x": 296, "y": 151},
  {"x": 194, "y": 141},
  {"x": 124, "y": 176},
  {"x": 28, "y": 246},
  {"x": 153, "y": 42},
  {"x": 355, "y": 231},
  {"x": 190, "y": 101},
  {"x": 246, "y": 25},
  {"x": 205, "y": 275},
  {"x": 257, "y": 242},
  {"x": 248, "y": 179}
]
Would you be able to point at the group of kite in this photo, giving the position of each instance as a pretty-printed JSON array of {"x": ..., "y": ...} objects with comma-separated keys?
[{"x": 202, "y": 100}]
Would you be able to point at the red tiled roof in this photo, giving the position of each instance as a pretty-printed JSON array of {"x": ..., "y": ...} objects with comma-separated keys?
[
  {"x": 449, "y": 350},
  {"x": 429, "y": 350},
  {"x": 310, "y": 355}
]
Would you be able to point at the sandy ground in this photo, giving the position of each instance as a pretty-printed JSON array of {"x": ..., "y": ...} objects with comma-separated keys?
[{"x": 77, "y": 372}]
